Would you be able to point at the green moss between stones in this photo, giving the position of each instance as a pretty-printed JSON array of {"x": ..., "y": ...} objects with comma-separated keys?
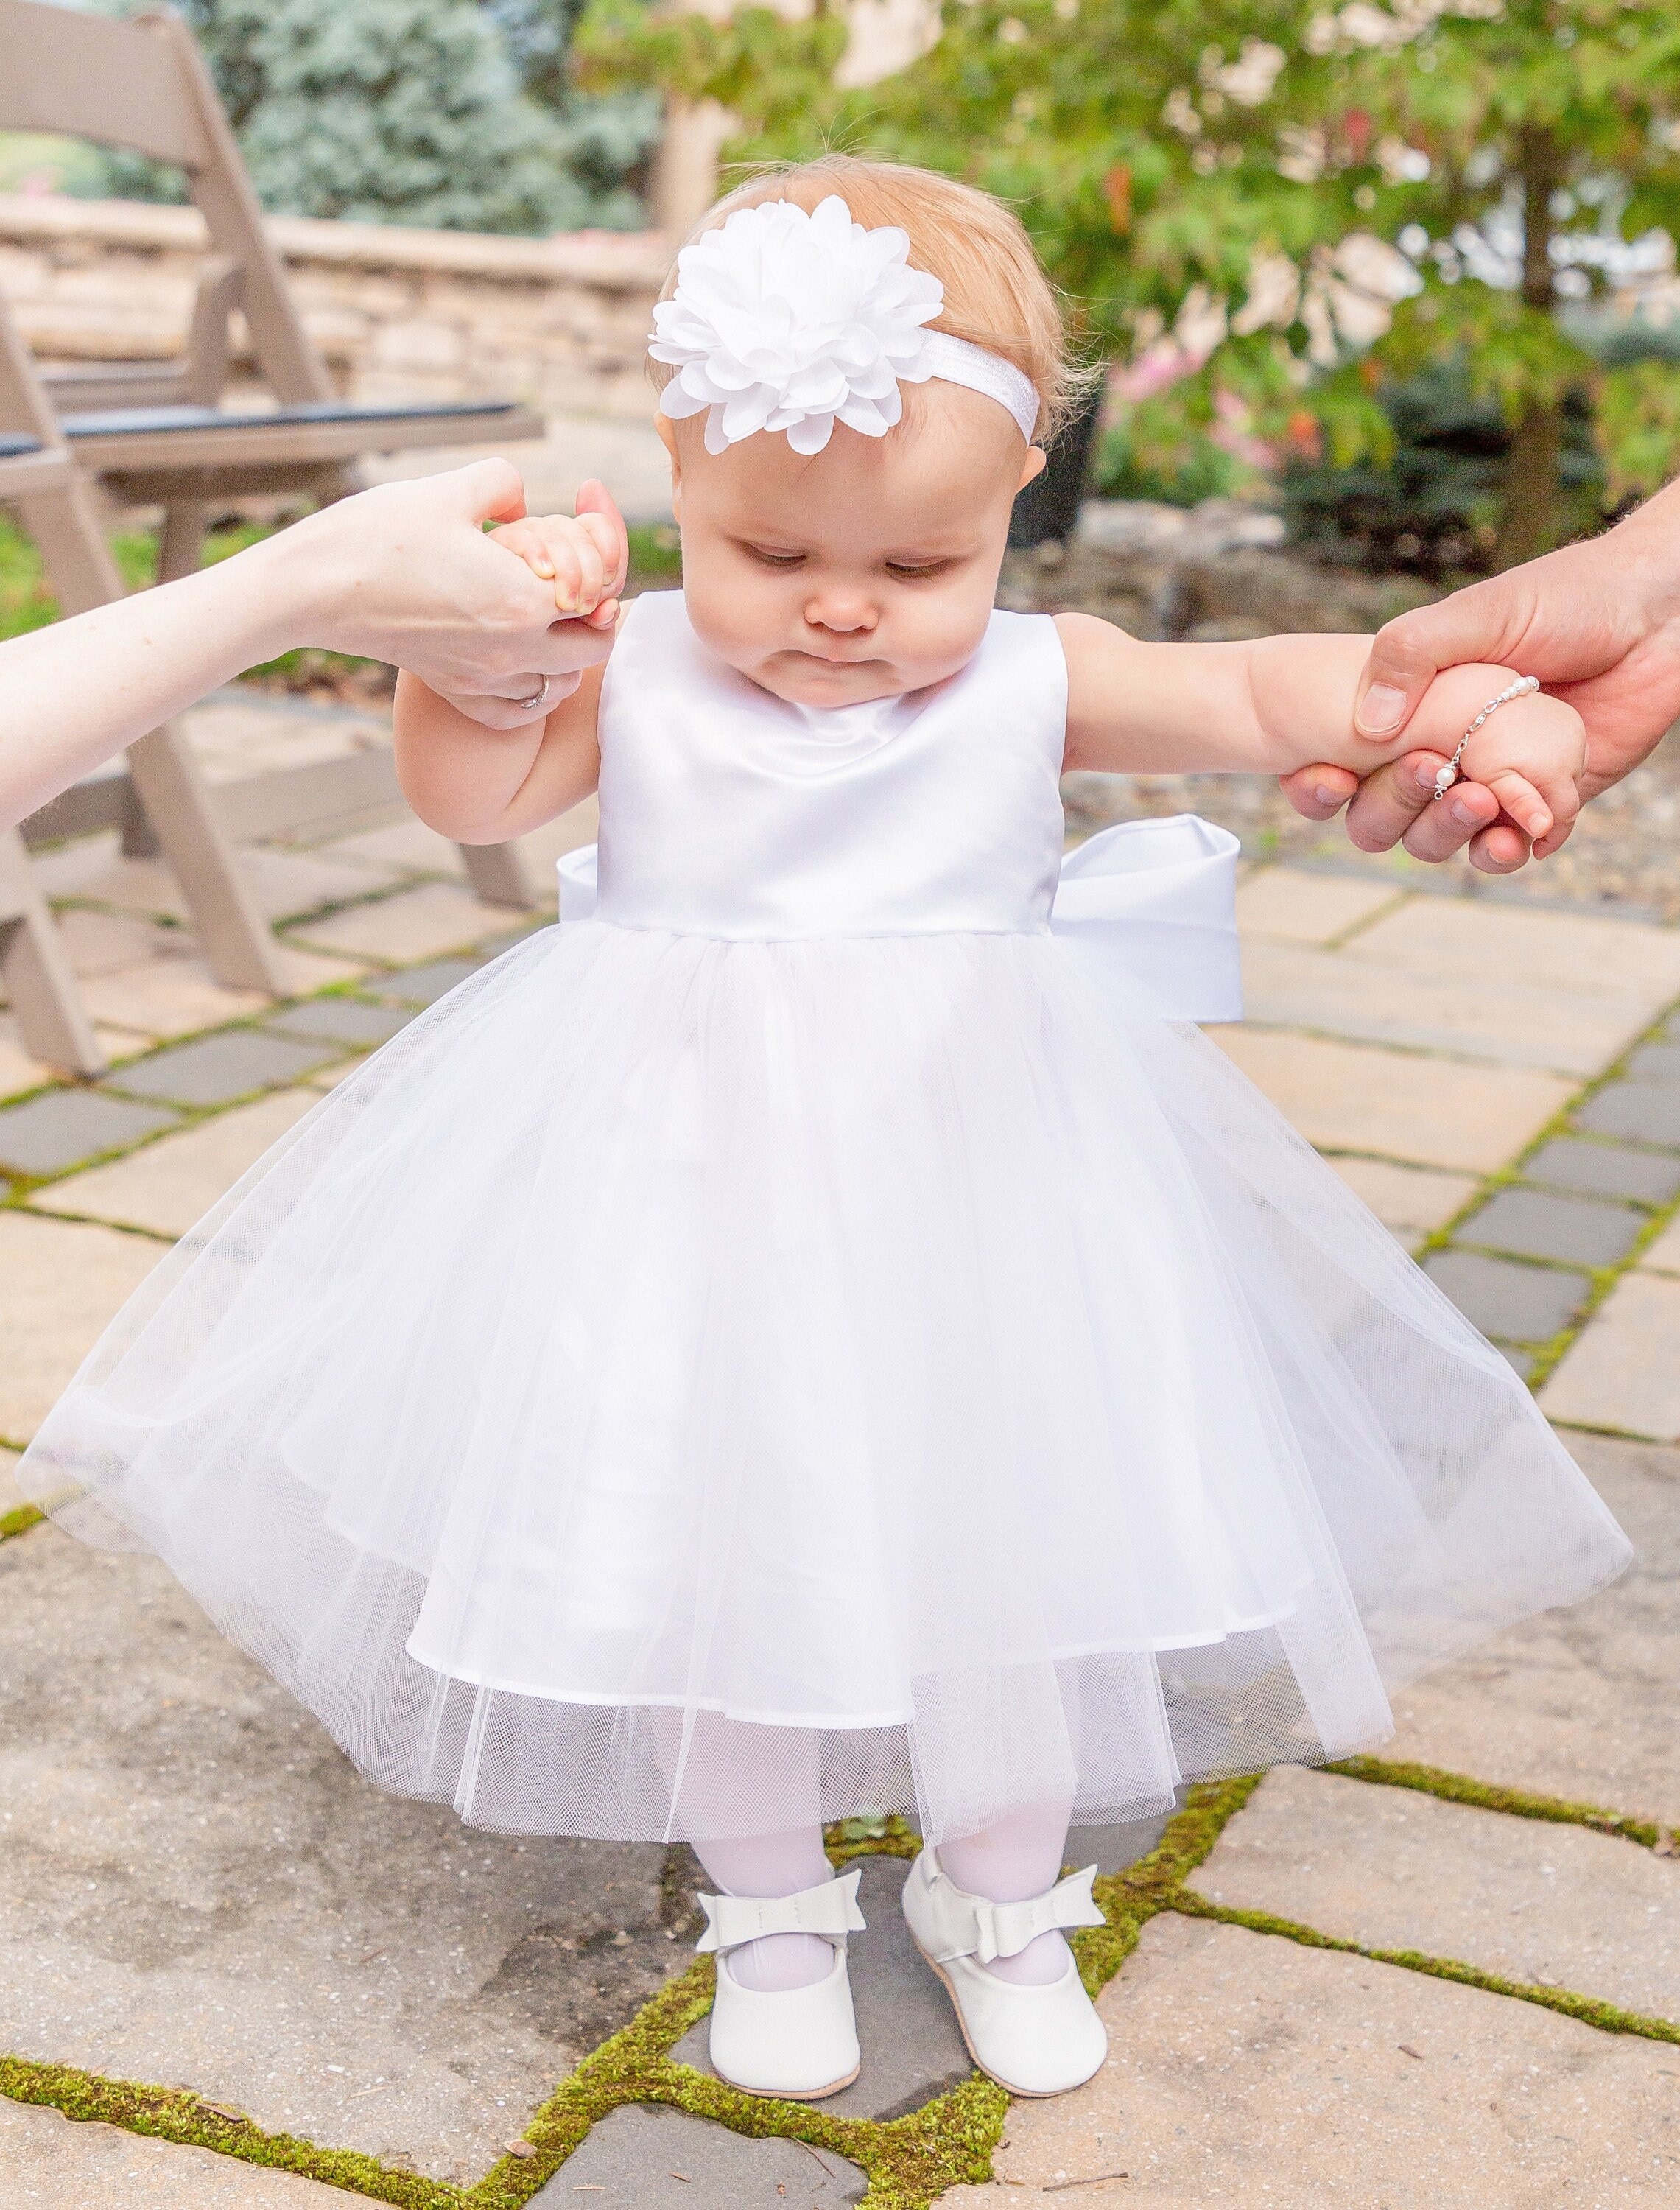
[
  {"x": 19, "y": 1522},
  {"x": 173, "y": 2114},
  {"x": 1605, "y": 2016},
  {"x": 1547, "y": 1357},
  {"x": 1515, "y": 1803},
  {"x": 910, "y": 2161},
  {"x": 851, "y": 1838}
]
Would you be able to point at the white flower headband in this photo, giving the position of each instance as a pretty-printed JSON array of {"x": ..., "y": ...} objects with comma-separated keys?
[{"x": 783, "y": 320}]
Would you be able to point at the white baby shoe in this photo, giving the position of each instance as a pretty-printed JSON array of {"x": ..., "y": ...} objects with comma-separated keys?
[
  {"x": 799, "y": 2043},
  {"x": 1031, "y": 2040}
]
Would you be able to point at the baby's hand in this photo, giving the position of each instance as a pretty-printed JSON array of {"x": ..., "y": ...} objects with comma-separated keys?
[
  {"x": 1531, "y": 752},
  {"x": 587, "y": 556}
]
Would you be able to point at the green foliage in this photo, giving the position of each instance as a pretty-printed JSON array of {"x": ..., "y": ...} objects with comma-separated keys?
[
  {"x": 399, "y": 110},
  {"x": 1156, "y": 153},
  {"x": 1430, "y": 504},
  {"x": 412, "y": 112},
  {"x": 1515, "y": 152},
  {"x": 605, "y": 142},
  {"x": 1055, "y": 105},
  {"x": 1153, "y": 452},
  {"x": 776, "y": 74},
  {"x": 1639, "y": 423}
]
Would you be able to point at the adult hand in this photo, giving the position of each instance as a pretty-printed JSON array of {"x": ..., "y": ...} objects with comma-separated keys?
[
  {"x": 584, "y": 561},
  {"x": 406, "y": 575},
  {"x": 1599, "y": 622},
  {"x": 403, "y": 574}
]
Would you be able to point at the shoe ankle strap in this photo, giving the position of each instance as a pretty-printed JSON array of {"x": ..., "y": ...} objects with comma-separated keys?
[
  {"x": 830, "y": 1909},
  {"x": 966, "y": 1925}
]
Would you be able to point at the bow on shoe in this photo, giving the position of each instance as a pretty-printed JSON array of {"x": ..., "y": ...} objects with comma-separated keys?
[
  {"x": 829, "y": 1909},
  {"x": 970, "y": 1926}
]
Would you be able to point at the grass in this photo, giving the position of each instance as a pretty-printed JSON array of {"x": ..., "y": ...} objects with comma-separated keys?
[
  {"x": 26, "y": 603},
  {"x": 656, "y": 554}
]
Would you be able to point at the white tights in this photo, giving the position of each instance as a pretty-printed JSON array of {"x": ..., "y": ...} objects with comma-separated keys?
[
  {"x": 1016, "y": 1858},
  {"x": 767, "y": 1865}
]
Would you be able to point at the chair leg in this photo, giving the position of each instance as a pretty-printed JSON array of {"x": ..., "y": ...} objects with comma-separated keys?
[
  {"x": 183, "y": 543},
  {"x": 140, "y": 839},
  {"x": 161, "y": 767},
  {"x": 497, "y": 874},
  {"x": 167, "y": 779},
  {"x": 36, "y": 972}
]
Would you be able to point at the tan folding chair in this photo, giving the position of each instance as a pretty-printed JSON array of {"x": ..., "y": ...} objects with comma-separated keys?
[
  {"x": 33, "y": 965},
  {"x": 158, "y": 436},
  {"x": 41, "y": 481}
]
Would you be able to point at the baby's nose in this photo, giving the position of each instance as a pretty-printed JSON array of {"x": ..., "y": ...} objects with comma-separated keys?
[{"x": 842, "y": 611}]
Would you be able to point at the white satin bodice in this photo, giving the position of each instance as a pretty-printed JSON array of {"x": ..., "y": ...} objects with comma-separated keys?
[{"x": 728, "y": 813}]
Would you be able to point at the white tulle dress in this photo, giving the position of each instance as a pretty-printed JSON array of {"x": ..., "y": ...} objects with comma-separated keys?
[{"x": 808, "y": 1339}]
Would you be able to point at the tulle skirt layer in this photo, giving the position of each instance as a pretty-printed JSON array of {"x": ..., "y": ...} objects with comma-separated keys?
[{"x": 681, "y": 1386}]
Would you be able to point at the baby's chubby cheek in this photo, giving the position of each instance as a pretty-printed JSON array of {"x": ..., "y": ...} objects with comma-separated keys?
[{"x": 938, "y": 629}]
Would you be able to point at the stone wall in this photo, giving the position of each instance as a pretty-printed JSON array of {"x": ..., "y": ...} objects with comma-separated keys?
[{"x": 559, "y": 322}]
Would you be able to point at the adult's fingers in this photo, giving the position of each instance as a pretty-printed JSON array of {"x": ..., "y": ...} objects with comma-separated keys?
[
  {"x": 1444, "y": 828},
  {"x": 1390, "y": 800},
  {"x": 1407, "y": 653},
  {"x": 1400, "y": 797},
  {"x": 1319, "y": 792},
  {"x": 565, "y": 647},
  {"x": 1500, "y": 850},
  {"x": 492, "y": 711},
  {"x": 491, "y": 491}
]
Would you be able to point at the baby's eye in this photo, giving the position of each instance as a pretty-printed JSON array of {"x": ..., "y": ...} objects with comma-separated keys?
[
  {"x": 768, "y": 557},
  {"x": 916, "y": 572}
]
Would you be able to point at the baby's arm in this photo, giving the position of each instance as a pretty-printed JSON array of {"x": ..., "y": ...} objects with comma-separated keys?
[
  {"x": 484, "y": 770},
  {"x": 1174, "y": 709}
]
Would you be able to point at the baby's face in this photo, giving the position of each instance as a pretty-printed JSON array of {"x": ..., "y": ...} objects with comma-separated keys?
[{"x": 865, "y": 570}]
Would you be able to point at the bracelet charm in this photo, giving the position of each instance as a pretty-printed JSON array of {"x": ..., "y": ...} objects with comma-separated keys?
[{"x": 1447, "y": 775}]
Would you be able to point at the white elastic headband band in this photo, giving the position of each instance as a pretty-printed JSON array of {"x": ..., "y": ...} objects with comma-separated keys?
[
  {"x": 954, "y": 360},
  {"x": 784, "y": 320}
]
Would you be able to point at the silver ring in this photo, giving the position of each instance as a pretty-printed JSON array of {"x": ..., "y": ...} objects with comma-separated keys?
[
  {"x": 1446, "y": 777},
  {"x": 538, "y": 697}
]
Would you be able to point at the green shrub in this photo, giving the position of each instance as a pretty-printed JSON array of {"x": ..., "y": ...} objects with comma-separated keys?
[
  {"x": 1432, "y": 507},
  {"x": 444, "y": 114}
]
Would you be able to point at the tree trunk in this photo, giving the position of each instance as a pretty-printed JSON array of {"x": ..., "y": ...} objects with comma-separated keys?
[{"x": 1528, "y": 525}]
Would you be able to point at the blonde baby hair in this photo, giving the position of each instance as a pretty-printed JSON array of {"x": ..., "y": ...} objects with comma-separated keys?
[{"x": 996, "y": 293}]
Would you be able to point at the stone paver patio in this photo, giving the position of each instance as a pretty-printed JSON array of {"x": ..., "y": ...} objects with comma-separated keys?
[{"x": 233, "y": 1973}]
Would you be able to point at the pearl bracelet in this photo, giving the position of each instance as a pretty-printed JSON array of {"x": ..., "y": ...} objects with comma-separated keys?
[{"x": 1446, "y": 777}]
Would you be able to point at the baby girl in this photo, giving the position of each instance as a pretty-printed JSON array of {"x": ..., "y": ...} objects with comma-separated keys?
[{"x": 818, "y": 1333}]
